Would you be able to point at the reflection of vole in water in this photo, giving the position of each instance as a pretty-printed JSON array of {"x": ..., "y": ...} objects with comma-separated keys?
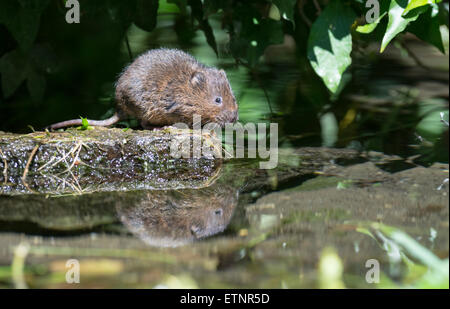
[
  {"x": 166, "y": 86},
  {"x": 177, "y": 217}
]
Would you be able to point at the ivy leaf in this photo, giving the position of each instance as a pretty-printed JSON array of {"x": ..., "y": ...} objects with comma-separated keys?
[
  {"x": 16, "y": 67},
  {"x": 330, "y": 43},
  {"x": 397, "y": 23},
  {"x": 119, "y": 12},
  {"x": 429, "y": 126},
  {"x": 414, "y": 4},
  {"x": 286, "y": 8},
  {"x": 369, "y": 28},
  {"x": 22, "y": 19},
  {"x": 427, "y": 29},
  {"x": 13, "y": 68}
]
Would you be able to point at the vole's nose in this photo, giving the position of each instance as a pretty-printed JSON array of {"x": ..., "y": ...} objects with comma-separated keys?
[{"x": 231, "y": 116}]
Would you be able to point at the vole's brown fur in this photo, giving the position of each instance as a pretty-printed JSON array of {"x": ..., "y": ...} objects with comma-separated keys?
[{"x": 166, "y": 86}]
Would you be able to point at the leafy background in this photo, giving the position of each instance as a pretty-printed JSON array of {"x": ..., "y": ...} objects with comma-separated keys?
[{"x": 300, "y": 63}]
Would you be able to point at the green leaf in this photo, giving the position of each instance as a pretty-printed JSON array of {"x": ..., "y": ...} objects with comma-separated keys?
[
  {"x": 430, "y": 126},
  {"x": 146, "y": 13},
  {"x": 427, "y": 28},
  {"x": 84, "y": 124},
  {"x": 253, "y": 39},
  {"x": 119, "y": 12},
  {"x": 22, "y": 19},
  {"x": 16, "y": 67},
  {"x": 13, "y": 68},
  {"x": 36, "y": 83},
  {"x": 397, "y": 23},
  {"x": 274, "y": 13},
  {"x": 432, "y": 272},
  {"x": 181, "y": 4},
  {"x": 197, "y": 12},
  {"x": 368, "y": 28},
  {"x": 44, "y": 58},
  {"x": 286, "y": 8},
  {"x": 330, "y": 43},
  {"x": 414, "y": 4}
]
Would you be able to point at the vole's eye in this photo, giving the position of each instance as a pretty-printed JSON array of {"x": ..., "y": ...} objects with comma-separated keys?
[{"x": 218, "y": 100}]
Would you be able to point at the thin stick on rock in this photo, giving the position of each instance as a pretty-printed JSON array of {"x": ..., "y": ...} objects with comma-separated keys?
[
  {"x": 5, "y": 168},
  {"x": 25, "y": 172}
]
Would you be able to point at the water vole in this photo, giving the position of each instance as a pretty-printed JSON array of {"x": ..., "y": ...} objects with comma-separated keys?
[
  {"x": 166, "y": 86},
  {"x": 177, "y": 217}
]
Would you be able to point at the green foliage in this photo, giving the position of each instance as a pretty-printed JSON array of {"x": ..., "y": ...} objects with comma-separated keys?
[
  {"x": 427, "y": 27},
  {"x": 414, "y": 4},
  {"x": 368, "y": 28},
  {"x": 330, "y": 43},
  {"x": 430, "y": 127},
  {"x": 325, "y": 33},
  {"x": 22, "y": 19},
  {"x": 249, "y": 44},
  {"x": 420, "y": 17},
  {"x": 253, "y": 27},
  {"x": 84, "y": 124},
  {"x": 197, "y": 13},
  {"x": 286, "y": 9},
  {"x": 397, "y": 21},
  {"x": 17, "y": 67}
]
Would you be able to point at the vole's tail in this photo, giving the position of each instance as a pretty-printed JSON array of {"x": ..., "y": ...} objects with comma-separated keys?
[{"x": 78, "y": 122}]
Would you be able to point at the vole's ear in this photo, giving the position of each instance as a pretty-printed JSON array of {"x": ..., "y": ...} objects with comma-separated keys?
[
  {"x": 223, "y": 73},
  {"x": 198, "y": 79}
]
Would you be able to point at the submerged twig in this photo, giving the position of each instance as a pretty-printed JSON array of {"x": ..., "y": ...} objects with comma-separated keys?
[
  {"x": 25, "y": 172},
  {"x": 5, "y": 168}
]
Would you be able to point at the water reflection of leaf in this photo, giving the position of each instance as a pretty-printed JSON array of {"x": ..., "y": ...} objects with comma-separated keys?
[{"x": 428, "y": 272}]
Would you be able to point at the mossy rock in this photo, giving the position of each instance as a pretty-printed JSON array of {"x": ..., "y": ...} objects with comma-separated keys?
[{"x": 101, "y": 159}]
